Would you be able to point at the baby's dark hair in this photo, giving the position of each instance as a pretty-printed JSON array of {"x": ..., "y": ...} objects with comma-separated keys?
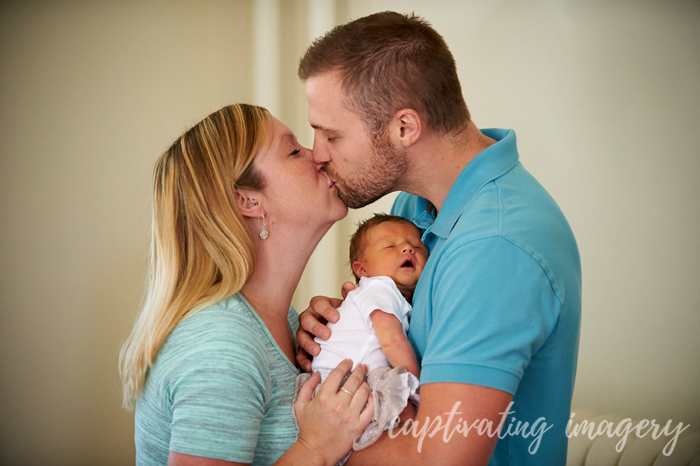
[{"x": 357, "y": 240}]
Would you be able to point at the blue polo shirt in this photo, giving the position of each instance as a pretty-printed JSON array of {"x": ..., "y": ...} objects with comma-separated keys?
[{"x": 499, "y": 301}]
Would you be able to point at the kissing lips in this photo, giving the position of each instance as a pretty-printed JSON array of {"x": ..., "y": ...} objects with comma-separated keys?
[{"x": 331, "y": 183}]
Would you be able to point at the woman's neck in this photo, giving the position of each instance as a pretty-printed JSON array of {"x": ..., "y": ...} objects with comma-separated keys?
[
  {"x": 281, "y": 259},
  {"x": 269, "y": 291}
]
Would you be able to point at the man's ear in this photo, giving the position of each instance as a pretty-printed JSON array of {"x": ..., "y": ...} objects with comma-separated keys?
[
  {"x": 406, "y": 127},
  {"x": 249, "y": 203},
  {"x": 359, "y": 269}
]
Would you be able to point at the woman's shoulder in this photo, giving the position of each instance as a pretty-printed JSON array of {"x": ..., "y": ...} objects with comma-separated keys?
[
  {"x": 228, "y": 315},
  {"x": 231, "y": 310},
  {"x": 226, "y": 328}
]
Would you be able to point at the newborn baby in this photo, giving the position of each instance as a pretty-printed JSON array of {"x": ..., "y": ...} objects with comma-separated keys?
[{"x": 387, "y": 257}]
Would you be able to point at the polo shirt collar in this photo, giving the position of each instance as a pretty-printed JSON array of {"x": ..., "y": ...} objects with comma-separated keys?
[{"x": 489, "y": 164}]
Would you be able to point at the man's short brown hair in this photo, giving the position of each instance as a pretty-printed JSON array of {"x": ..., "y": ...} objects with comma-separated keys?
[
  {"x": 357, "y": 243},
  {"x": 389, "y": 61}
]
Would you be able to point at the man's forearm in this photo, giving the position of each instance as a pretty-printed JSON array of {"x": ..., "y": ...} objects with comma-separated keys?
[{"x": 437, "y": 435}]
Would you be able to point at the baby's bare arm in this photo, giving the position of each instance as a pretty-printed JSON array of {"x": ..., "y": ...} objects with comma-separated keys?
[{"x": 394, "y": 343}]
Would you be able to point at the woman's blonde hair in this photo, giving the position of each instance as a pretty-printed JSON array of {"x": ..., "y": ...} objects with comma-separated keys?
[{"x": 201, "y": 250}]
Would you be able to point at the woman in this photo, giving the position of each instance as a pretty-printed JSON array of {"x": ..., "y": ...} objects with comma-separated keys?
[{"x": 238, "y": 208}]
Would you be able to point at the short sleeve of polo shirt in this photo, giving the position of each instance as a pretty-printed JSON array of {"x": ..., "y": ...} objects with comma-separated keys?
[
  {"x": 381, "y": 293},
  {"x": 220, "y": 393},
  {"x": 493, "y": 308}
]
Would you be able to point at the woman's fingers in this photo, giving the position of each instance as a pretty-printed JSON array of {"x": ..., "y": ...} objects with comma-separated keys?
[
  {"x": 335, "y": 379},
  {"x": 333, "y": 412},
  {"x": 355, "y": 379},
  {"x": 306, "y": 391},
  {"x": 363, "y": 402}
]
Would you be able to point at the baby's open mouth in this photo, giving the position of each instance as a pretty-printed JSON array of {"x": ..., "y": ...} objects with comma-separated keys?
[{"x": 408, "y": 263}]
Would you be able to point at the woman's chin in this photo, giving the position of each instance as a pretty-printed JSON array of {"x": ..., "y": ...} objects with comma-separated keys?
[
  {"x": 338, "y": 210},
  {"x": 343, "y": 211}
]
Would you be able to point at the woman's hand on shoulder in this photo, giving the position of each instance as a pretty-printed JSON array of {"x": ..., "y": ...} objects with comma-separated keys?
[{"x": 330, "y": 421}]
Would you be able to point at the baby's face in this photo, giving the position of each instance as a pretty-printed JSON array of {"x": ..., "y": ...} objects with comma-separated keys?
[{"x": 394, "y": 250}]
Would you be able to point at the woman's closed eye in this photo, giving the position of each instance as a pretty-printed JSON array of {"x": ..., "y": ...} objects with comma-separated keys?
[{"x": 295, "y": 152}]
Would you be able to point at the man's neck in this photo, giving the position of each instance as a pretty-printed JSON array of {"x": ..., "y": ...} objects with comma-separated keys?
[{"x": 437, "y": 161}]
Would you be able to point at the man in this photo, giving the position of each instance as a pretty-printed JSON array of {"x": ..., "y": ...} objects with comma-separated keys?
[{"x": 496, "y": 313}]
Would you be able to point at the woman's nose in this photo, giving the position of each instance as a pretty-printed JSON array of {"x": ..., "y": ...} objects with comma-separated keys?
[{"x": 309, "y": 153}]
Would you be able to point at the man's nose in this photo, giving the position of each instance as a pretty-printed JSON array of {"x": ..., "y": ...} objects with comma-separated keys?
[
  {"x": 317, "y": 166},
  {"x": 320, "y": 152}
]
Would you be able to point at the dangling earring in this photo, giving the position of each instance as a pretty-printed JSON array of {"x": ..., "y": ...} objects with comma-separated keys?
[{"x": 263, "y": 231}]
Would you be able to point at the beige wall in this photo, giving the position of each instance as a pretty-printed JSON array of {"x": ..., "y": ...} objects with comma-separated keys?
[
  {"x": 92, "y": 93},
  {"x": 604, "y": 99}
]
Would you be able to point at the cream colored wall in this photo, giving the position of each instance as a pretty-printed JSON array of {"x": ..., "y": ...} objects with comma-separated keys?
[
  {"x": 604, "y": 99},
  {"x": 91, "y": 94}
]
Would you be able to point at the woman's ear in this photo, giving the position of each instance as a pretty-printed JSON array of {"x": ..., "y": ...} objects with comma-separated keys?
[
  {"x": 359, "y": 269},
  {"x": 248, "y": 203},
  {"x": 406, "y": 127}
]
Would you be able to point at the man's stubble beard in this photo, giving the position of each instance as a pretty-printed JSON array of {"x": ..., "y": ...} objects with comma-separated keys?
[{"x": 387, "y": 167}]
